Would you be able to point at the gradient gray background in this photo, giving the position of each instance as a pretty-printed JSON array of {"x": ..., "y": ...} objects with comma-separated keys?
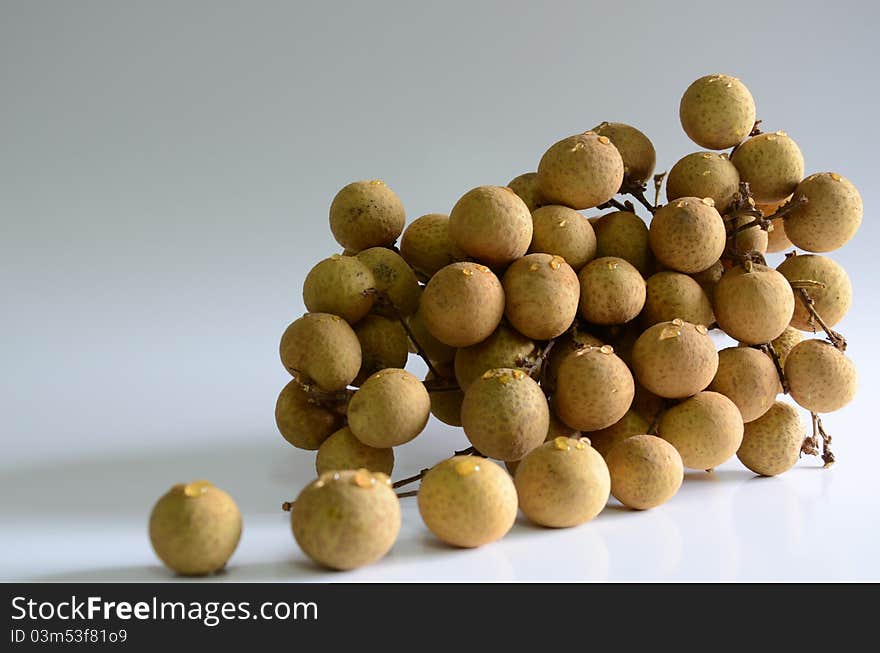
[{"x": 166, "y": 169}]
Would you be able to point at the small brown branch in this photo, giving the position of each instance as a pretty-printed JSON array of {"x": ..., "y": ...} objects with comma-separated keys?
[
  {"x": 834, "y": 337},
  {"x": 658, "y": 184},
  {"x": 755, "y": 129},
  {"x": 386, "y": 302},
  {"x": 774, "y": 356},
  {"x": 335, "y": 401},
  {"x": 410, "y": 479},
  {"x": 827, "y": 454},
  {"x": 441, "y": 385},
  {"x": 404, "y": 495},
  {"x": 287, "y": 506},
  {"x": 812, "y": 446},
  {"x": 638, "y": 192},
  {"x": 614, "y": 204},
  {"x": 470, "y": 451},
  {"x": 788, "y": 207}
]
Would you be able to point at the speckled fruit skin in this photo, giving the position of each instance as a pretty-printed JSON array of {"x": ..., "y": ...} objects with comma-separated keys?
[
  {"x": 384, "y": 343},
  {"x": 632, "y": 423},
  {"x": 344, "y": 451},
  {"x": 772, "y": 443},
  {"x": 820, "y": 377},
  {"x": 709, "y": 278},
  {"x": 446, "y": 404},
  {"x": 611, "y": 291},
  {"x": 636, "y": 149},
  {"x": 753, "y": 239},
  {"x": 555, "y": 429},
  {"x": 467, "y": 501},
  {"x": 624, "y": 235},
  {"x": 564, "y": 232},
  {"x": 785, "y": 343},
  {"x": 322, "y": 348},
  {"x": 748, "y": 378},
  {"x": 541, "y": 295},
  {"x": 462, "y": 304},
  {"x": 438, "y": 352},
  {"x": 687, "y": 235},
  {"x": 671, "y": 295},
  {"x": 195, "y": 528},
  {"x": 426, "y": 244},
  {"x": 753, "y": 303},
  {"x": 492, "y": 224},
  {"x": 706, "y": 429},
  {"x": 581, "y": 171},
  {"x": 831, "y": 301},
  {"x": 594, "y": 389},
  {"x": 303, "y": 424},
  {"x": 703, "y": 174},
  {"x": 526, "y": 188},
  {"x": 829, "y": 218},
  {"x": 390, "y": 408},
  {"x": 773, "y": 165},
  {"x": 674, "y": 359},
  {"x": 505, "y": 414},
  {"x": 562, "y": 483},
  {"x": 339, "y": 285},
  {"x": 646, "y": 471},
  {"x": 506, "y": 347},
  {"x": 393, "y": 276},
  {"x": 366, "y": 214},
  {"x": 565, "y": 345},
  {"x": 717, "y": 112},
  {"x": 346, "y": 519}
]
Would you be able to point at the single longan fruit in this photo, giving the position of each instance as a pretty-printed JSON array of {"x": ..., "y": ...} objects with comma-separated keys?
[
  {"x": 675, "y": 359},
  {"x": 541, "y": 295},
  {"x": 706, "y": 429},
  {"x": 624, "y": 235},
  {"x": 581, "y": 171},
  {"x": 820, "y": 377},
  {"x": 646, "y": 471},
  {"x": 832, "y": 301},
  {"x": 772, "y": 443},
  {"x": 772, "y": 164},
  {"x": 753, "y": 303},
  {"x": 611, "y": 291},
  {"x": 462, "y": 304},
  {"x": 446, "y": 404},
  {"x": 563, "y": 232},
  {"x": 384, "y": 344},
  {"x": 526, "y": 188},
  {"x": 594, "y": 389},
  {"x": 748, "y": 378},
  {"x": 340, "y": 285},
  {"x": 437, "y": 352},
  {"x": 505, "y": 414},
  {"x": 467, "y": 501},
  {"x": 344, "y": 451},
  {"x": 390, "y": 408},
  {"x": 671, "y": 295},
  {"x": 632, "y": 423},
  {"x": 366, "y": 214},
  {"x": 492, "y": 224},
  {"x": 426, "y": 244},
  {"x": 565, "y": 345},
  {"x": 555, "y": 429},
  {"x": 346, "y": 518},
  {"x": 717, "y": 112},
  {"x": 562, "y": 483},
  {"x": 828, "y": 213},
  {"x": 394, "y": 277},
  {"x": 753, "y": 239},
  {"x": 709, "y": 278},
  {"x": 195, "y": 528},
  {"x": 777, "y": 239},
  {"x": 687, "y": 235},
  {"x": 636, "y": 149},
  {"x": 704, "y": 174},
  {"x": 303, "y": 424},
  {"x": 506, "y": 347},
  {"x": 323, "y": 349}
]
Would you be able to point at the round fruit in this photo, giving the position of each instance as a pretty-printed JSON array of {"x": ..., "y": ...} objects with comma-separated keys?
[
  {"x": 717, "y": 112},
  {"x": 709, "y": 278},
  {"x": 752, "y": 239},
  {"x": 688, "y": 234},
  {"x": 426, "y": 244},
  {"x": 565, "y": 345},
  {"x": 748, "y": 378},
  {"x": 394, "y": 277},
  {"x": 492, "y": 224},
  {"x": 446, "y": 404},
  {"x": 344, "y": 451},
  {"x": 564, "y": 232},
  {"x": 594, "y": 389},
  {"x": 672, "y": 295},
  {"x": 303, "y": 424},
  {"x": 704, "y": 174},
  {"x": 526, "y": 188},
  {"x": 436, "y": 351},
  {"x": 632, "y": 423},
  {"x": 390, "y": 408},
  {"x": 646, "y": 471},
  {"x": 580, "y": 171},
  {"x": 636, "y": 149},
  {"x": 366, "y": 214},
  {"x": 555, "y": 429},
  {"x": 829, "y": 216},
  {"x": 675, "y": 359},
  {"x": 706, "y": 429},
  {"x": 772, "y": 443},
  {"x": 624, "y": 235},
  {"x": 323, "y": 349},
  {"x": 340, "y": 285},
  {"x": 383, "y": 344},
  {"x": 541, "y": 295},
  {"x": 820, "y": 377},
  {"x": 772, "y": 164},
  {"x": 753, "y": 303},
  {"x": 831, "y": 301},
  {"x": 506, "y": 347},
  {"x": 611, "y": 291},
  {"x": 777, "y": 239}
]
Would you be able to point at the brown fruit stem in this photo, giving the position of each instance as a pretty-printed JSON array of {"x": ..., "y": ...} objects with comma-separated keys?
[
  {"x": 441, "y": 385},
  {"x": 811, "y": 443},
  {"x": 638, "y": 192},
  {"x": 614, "y": 204},
  {"x": 834, "y": 337},
  {"x": 335, "y": 401},
  {"x": 404, "y": 495},
  {"x": 417, "y": 477},
  {"x": 658, "y": 184},
  {"x": 771, "y": 351},
  {"x": 385, "y": 301},
  {"x": 287, "y": 506}
]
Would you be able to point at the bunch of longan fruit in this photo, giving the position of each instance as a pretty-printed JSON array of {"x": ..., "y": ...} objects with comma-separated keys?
[{"x": 578, "y": 351}]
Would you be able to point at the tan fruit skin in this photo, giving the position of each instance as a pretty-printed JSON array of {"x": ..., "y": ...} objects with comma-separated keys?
[
  {"x": 624, "y": 235},
  {"x": 687, "y": 235},
  {"x": 391, "y": 408},
  {"x": 717, "y": 112},
  {"x": 526, "y": 188},
  {"x": 393, "y": 276},
  {"x": 820, "y": 377},
  {"x": 565, "y": 345},
  {"x": 703, "y": 174},
  {"x": 773, "y": 165},
  {"x": 627, "y": 426},
  {"x": 344, "y": 451},
  {"x": 709, "y": 278},
  {"x": 636, "y": 150},
  {"x": 446, "y": 404},
  {"x": 439, "y": 352},
  {"x": 594, "y": 389},
  {"x": 646, "y": 471},
  {"x": 581, "y": 171},
  {"x": 541, "y": 295},
  {"x": 555, "y": 429},
  {"x": 772, "y": 443},
  {"x": 674, "y": 361},
  {"x": 506, "y": 347},
  {"x": 612, "y": 291},
  {"x": 322, "y": 348},
  {"x": 749, "y": 379},
  {"x": 671, "y": 295},
  {"x": 565, "y": 232},
  {"x": 753, "y": 305},
  {"x": 339, "y": 285},
  {"x": 706, "y": 429},
  {"x": 302, "y": 423},
  {"x": 491, "y": 224},
  {"x": 195, "y": 528},
  {"x": 753, "y": 239},
  {"x": 384, "y": 344},
  {"x": 829, "y": 218},
  {"x": 777, "y": 240},
  {"x": 832, "y": 301},
  {"x": 467, "y": 501},
  {"x": 426, "y": 244},
  {"x": 366, "y": 214},
  {"x": 341, "y": 525}
]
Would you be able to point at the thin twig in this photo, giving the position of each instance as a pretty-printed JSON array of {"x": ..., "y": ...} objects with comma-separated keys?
[
  {"x": 658, "y": 184},
  {"x": 827, "y": 454},
  {"x": 834, "y": 337},
  {"x": 410, "y": 493},
  {"x": 410, "y": 479},
  {"x": 387, "y": 303},
  {"x": 774, "y": 356},
  {"x": 614, "y": 204},
  {"x": 638, "y": 192}
]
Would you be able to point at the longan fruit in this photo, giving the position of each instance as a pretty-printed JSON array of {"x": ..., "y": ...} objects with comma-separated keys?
[
  {"x": 492, "y": 224},
  {"x": 384, "y": 343},
  {"x": 624, "y": 235},
  {"x": 541, "y": 295},
  {"x": 323, "y": 349},
  {"x": 506, "y": 347},
  {"x": 505, "y": 414},
  {"x": 706, "y": 429},
  {"x": 462, "y": 304},
  {"x": 446, "y": 404},
  {"x": 632, "y": 423},
  {"x": 302, "y": 423},
  {"x": 467, "y": 501},
  {"x": 344, "y": 451},
  {"x": 832, "y": 301},
  {"x": 555, "y": 429},
  {"x": 830, "y": 216},
  {"x": 772, "y": 443},
  {"x": 777, "y": 239},
  {"x": 709, "y": 278},
  {"x": 581, "y": 171},
  {"x": 526, "y": 188},
  {"x": 671, "y": 295},
  {"x": 437, "y": 352},
  {"x": 820, "y": 378},
  {"x": 564, "y": 232},
  {"x": 562, "y": 483},
  {"x": 346, "y": 518},
  {"x": 594, "y": 389},
  {"x": 675, "y": 359},
  {"x": 390, "y": 408},
  {"x": 753, "y": 303},
  {"x": 753, "y": 239},
  {"x": 647, "y": 404},
  {"x": 393, "y": 276},
  {"x": 565, "y": 345},
  {"x": 646, "y": 471},
  {"x": 772, "y": 164},
  {"x": 195, "y": 528},
  {"x": 340, "y": 285},
  {"x": 426, "y": 244},
  {"x": 748, "y": 378},
  {"x": 612, "y": 291},
  {"x": 704, "y": 174},
  {"x": 366, "y": 214},
  {"x": 636, "y": 149},
  {"x": 717, "y": 112},
  {"x": 687, "y": 235}
]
